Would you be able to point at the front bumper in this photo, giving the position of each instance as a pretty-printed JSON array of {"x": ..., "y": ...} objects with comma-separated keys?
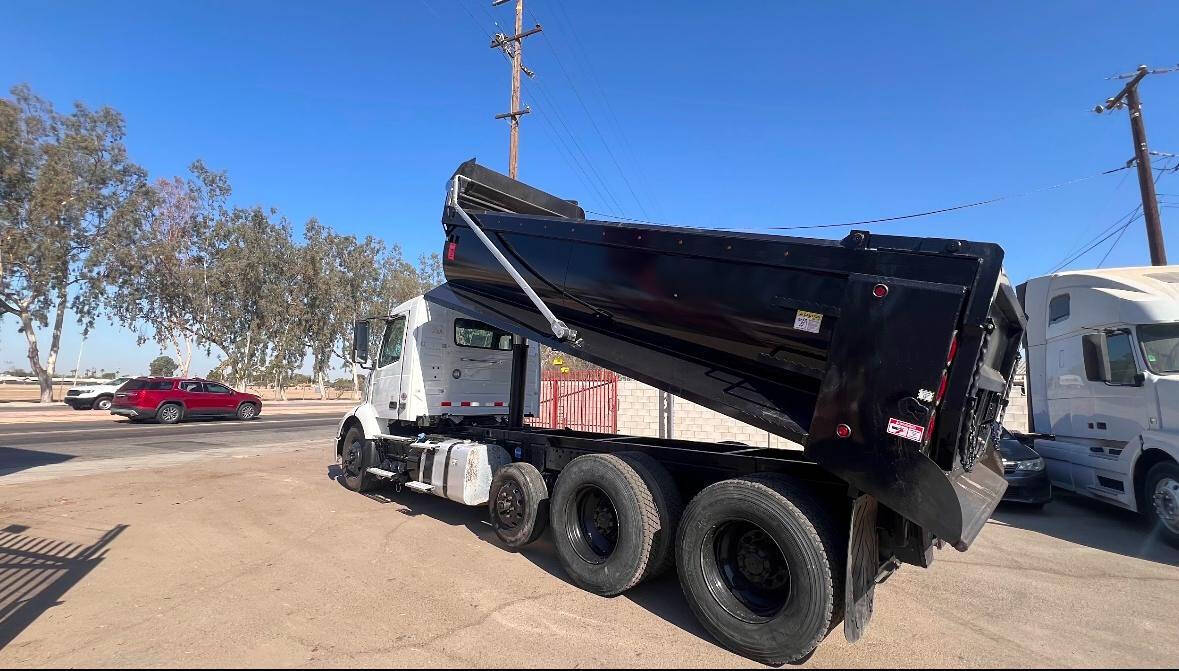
[
  {"x": 79, "y": 401},
  {"x": 1028, "y": 488}
]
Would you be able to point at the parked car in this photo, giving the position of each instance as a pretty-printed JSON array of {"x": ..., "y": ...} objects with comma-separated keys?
[
  {"x": 170, "y": 399},
  {"x": 93, "y": 396},
  {"x": 1027, "y": 481}
]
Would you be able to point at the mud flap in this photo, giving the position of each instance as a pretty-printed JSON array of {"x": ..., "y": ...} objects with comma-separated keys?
[{"x": 863, "y": 561}]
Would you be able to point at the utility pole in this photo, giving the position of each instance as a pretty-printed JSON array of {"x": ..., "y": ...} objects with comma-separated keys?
[
  {"x": 1150, "y": 203},
  {"x": 512, "y": 46}
]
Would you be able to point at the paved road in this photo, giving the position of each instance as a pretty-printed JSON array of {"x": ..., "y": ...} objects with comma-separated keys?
[{"x": 32, "y": 445}]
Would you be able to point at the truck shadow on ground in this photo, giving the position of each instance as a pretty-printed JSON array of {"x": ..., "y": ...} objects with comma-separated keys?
[
  {"x": 1093, "y": 524},
  {"x": 35, "y": 572},
  {"x": 660, "y": 596}
]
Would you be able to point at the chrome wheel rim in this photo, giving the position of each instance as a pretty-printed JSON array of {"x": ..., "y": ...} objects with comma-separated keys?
[
  {"x": 246, "y": 412},
  {"x": 1166, "y": 503},
  {"x": 170, "y": 413}
]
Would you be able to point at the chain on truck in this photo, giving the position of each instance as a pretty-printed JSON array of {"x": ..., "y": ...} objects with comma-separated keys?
[{"x": 887, "y": 359}]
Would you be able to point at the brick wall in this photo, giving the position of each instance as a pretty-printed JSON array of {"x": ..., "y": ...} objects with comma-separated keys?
[{"x": 638, "y": 414}]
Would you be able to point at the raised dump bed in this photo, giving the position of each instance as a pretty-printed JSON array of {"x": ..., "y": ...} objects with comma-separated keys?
[{"x": 889, "y": 358}]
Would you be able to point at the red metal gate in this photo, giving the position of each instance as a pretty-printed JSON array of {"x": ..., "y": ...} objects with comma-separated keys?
[{"x": 584, "y": 400}]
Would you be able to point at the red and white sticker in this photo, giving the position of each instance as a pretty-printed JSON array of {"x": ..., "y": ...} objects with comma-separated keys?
[{"x": 905, "y": 430}]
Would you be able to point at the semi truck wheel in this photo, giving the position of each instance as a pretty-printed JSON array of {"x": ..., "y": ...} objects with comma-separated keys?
[
  {"x": 605, "y": 521},
  {"x": 1162, "y": 486},
  {"x": 668, "y": 503},
  {"x": 518, "y": 504},
  {"x": 761, "y": 566},
  {"x": 356, "y": 456}
]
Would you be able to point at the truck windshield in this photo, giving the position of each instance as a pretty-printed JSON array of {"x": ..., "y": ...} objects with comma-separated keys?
[{"x": 1160, "y": 347}]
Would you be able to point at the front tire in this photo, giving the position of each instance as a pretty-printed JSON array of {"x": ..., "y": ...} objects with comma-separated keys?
[
  {"x": 518, "y": 504},
  {"x": 169, "y": 413},
  {"x": 102, "y": 403},
  {"x": 761, "y": 566},
  {"x": 356, "y": 456},
  {"x": 1162, "y": 505},
  {"x": 246, "y": 411}
]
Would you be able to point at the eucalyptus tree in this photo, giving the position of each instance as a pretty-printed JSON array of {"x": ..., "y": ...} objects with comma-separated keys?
[{"x": 69, "y": 199}]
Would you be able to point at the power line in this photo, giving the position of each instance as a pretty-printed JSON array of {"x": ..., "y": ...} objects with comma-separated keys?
[
  {"x": 943, "y": 210},
  {"x": 579, "y": 51},
  {"x": 895, "y": 218},
  {"x": 611, "y": 201},
  {"x": 1115, "y": 244},
  {"x": 593, "y": 123}
]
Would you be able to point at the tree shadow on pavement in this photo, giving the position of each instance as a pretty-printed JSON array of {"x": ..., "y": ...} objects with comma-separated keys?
[
  {"x": 36, "y": 572},
  {"x": 1093, "y": 524},
  {"x": 660, "y": 596},
  {"x": 14, "y": 459}
]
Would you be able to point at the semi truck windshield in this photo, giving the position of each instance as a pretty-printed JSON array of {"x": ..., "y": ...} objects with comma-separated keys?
[{"x": 1160, "y": 347}]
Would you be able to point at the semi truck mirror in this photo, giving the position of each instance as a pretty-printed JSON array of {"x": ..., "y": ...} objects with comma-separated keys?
[{"x": 360, "y": 337}]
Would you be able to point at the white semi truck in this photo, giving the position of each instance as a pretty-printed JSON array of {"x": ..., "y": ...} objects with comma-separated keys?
[{"x": 1103, "y": 385}]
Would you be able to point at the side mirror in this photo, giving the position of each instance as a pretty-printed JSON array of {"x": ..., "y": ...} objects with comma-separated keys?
[
  {"x": 360, "y": 336},
  {"x": 1139, "y": 379}
]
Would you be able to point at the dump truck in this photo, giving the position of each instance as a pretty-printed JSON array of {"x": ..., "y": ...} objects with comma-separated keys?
[
  {"x": 1103, "y": 386},
  {"x": 887, "y": 359}
]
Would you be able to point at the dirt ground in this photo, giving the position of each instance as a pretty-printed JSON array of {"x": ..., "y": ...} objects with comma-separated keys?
[{"x": 258, "y": 557}]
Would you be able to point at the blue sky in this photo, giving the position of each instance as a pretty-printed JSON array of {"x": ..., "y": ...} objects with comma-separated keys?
[{"x": 746, "y": 115}]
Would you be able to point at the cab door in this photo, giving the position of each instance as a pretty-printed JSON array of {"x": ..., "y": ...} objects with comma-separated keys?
[{"x": 386, "y": 385}]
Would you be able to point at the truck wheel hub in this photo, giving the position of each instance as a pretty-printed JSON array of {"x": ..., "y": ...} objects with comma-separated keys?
[
  {"x": 757, "y": 561},
  {"x": 509, "y": 505},
  {"x": 1166, "y": 503}
]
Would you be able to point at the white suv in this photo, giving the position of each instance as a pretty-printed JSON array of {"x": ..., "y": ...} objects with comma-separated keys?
[{"x": 94, "y": 396}]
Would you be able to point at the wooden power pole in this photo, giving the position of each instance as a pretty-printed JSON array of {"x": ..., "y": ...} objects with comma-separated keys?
[
  {"x": 512, "y": 47},
  {"x": 1150, "y": 202}
]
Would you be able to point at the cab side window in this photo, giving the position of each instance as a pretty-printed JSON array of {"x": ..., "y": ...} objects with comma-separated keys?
[
  {"x": 1058, "y": 309},
  {"x": 391, "y": 342},
  {"x": 1122, "y": 368},
  {"x": 190, "y": 385},
  {"x": 214, "y": 388}
]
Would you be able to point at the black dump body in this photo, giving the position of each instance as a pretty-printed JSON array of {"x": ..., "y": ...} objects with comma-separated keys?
[{"x": 838, "y": 345}]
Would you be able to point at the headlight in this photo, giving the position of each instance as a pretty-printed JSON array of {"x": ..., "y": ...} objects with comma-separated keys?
[{"x": 1036, "y": 464}]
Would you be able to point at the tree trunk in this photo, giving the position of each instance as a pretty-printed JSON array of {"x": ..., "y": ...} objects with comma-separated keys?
[
  {"x": 45, "y": 381},
  {"x": 54, "y": 345},
  {"x": 322, "y": 390}
]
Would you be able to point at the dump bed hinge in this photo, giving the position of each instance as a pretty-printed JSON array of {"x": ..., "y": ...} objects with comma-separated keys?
[{"x": 560, "y": 329}]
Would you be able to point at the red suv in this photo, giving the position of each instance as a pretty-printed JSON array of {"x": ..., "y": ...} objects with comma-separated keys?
[{"x": 170, "y": 399}]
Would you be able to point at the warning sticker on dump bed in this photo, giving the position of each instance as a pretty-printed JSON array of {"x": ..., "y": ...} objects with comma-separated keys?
[
  {"x": 905, "y": 430},
  {"x": 808, "y": 321}
]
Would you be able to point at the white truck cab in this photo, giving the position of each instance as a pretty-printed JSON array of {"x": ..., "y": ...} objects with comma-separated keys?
[
  {"x": 434, "y": 366},
  {"x": 1103, "y": 387}
]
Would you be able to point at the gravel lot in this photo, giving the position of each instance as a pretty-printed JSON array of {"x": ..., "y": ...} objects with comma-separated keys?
[{"x": 244, "y": 550}]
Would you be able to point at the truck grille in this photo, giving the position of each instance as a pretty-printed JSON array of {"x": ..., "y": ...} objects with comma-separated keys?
[{"x": 73, "y": 392}]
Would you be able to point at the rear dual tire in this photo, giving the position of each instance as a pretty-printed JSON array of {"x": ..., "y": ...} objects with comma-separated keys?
[
  {"x": 761, "y": 566},
  {"x": 613, "y": 518}
]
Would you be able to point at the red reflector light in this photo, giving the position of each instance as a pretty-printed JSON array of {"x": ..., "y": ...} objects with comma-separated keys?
[
  {"x": 499, "y": 404},
  {"x": 450, "y": 250},
  {"x": 445, "y": 404},
  {"x": 465, "y": 404},
  {"x": 843, "y": 431},
  {"x": 880, "y": 290}
]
